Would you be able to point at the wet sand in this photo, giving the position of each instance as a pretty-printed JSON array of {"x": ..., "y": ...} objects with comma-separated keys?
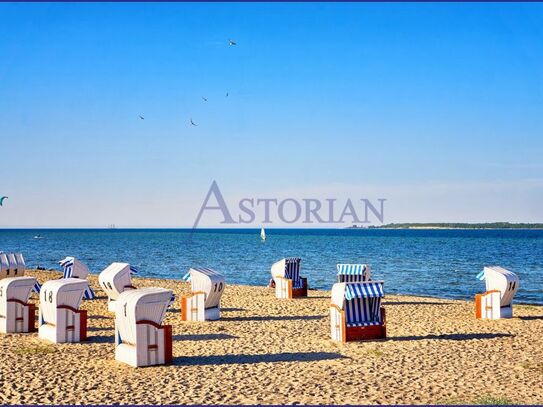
[{"x": 270, "y": 351}]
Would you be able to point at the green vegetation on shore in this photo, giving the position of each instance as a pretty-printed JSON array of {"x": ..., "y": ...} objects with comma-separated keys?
[{"x": 493, "y": 225}]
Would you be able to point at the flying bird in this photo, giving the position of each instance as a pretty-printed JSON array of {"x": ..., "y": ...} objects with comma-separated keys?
[
  {"x": 226, "y": 95},
  {"x": 141, "y": 117},
  {"x": 2, "y": 200},
  {"x": 191, "y": 122},
  {"x": 232, "y": 42},
  {"x": 204, "y": 99}
]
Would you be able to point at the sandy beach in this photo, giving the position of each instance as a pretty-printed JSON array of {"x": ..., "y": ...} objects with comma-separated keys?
[{"x": 270, "y": 351}]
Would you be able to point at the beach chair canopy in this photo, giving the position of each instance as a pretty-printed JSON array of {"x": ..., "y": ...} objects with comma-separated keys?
[
  {"x": 67, "y": 292},
  {"x": 503, "y": 280},
  {"x": 353, "y": 273},
  {"x": 360, "y": 301},
  {"x": 12, "y": 265},
  {"x": 143, "y": 304},
  {"x": 115, "y": 278},
  {"x": 74, "y": 268},
  {"x": 288, "y": 268},
  {"x": 209, "y": 281},
  {"x": 15, "y": 288}
]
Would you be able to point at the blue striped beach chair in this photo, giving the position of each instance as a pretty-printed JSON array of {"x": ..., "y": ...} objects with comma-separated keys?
[
  {"x": 73, "y": 268},
  {"x": 286, "y": 276},
  {"x": 356, "y": 312},
  {"x": 353, "y": 273}
]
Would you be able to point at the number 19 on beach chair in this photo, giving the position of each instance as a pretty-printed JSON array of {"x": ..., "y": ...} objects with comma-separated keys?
[
  {"x": 114, "y": 280},
  {"x": 286, "y": 276},
  {"x": 204, "y": 303},
  {"x": 356, "y": 312},
  {"x": 60, "y": 319},
  {"x": 140, "y": 339},
  {"x": 16, "y": 314},
  {"x": 497, "y": 301}
]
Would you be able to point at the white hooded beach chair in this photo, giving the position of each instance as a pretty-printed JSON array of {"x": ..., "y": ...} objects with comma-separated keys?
[
  {"x": 501, "y": 287},
  {"x": 73, "y": 268},
  {"x": 356, "y": 312},
  {"x": 114, "y": 280},
  {"x": 204, "y": 303},
  {"x": 286, "y": 276},
  {"x": 353, "y": 273},
  {"x": 140, "y": 339},
  {"x": 16, "y": 314},
  {"x": 13, "y": 265},
  {"x": 60, "y": 319}
]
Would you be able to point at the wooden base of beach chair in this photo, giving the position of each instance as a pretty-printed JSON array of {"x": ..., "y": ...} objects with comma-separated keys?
[
  {"x": 32, "y": 318},
  {"x": 193, "y": 307},
  {"x": 365, "y": 333},
  {"x": 487, "y": 305},
  {"x": 284, "y": 290}
]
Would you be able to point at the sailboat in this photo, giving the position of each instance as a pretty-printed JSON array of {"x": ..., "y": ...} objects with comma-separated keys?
[{"x": 262, "y": 234}]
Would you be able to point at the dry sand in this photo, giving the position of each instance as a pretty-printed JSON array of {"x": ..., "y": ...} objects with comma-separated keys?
[{"x": 271, "y": 351}]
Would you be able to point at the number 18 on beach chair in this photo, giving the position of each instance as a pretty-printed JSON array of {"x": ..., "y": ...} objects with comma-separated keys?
[
  {"x": 140, "y": 339},
  {"x": 204, "y": 302},
  {"x": 497, "y": 301},
  {"x": 353, "y": 273},
  {"x": 114, "y": 280},
  {"x": 73, "y": 268},
  {"x": 286, "y": 276},
  {"x": 356, "y": 312},
  {"x": 60, "y": 319},
  {"x": 16, "y": 314}
]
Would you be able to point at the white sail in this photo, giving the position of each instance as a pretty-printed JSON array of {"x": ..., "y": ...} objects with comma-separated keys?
[{"x": 262, "y": 234}]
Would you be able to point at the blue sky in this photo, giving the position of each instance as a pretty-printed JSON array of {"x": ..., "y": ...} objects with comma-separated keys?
[{"x": 435, "y": 107}]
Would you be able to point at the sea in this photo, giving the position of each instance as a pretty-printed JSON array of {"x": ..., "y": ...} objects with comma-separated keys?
[{"x": 424, "y": 262}]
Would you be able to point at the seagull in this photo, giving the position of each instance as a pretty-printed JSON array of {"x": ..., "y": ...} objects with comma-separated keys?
[
  {"x": 191, "y": 122},
  {"x": 205, "y": 99},
  {"x": 2, "y": 200},
  {"x": 141, "y": 117},
  {"x": 232, "y": 42}
]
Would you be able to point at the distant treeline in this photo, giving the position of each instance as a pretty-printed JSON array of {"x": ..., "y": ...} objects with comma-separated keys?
[{"x": 493, "y": 225}]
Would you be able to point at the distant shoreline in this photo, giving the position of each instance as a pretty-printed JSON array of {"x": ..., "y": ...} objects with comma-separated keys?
[{"x": 462, "y": 226}]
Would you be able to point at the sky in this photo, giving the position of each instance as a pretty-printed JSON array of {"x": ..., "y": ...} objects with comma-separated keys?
[{"x": 437, "y": 108}]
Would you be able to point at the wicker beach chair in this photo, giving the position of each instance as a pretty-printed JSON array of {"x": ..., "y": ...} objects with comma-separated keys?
[
  {"x": 353, "y": 273},
  {"x": 16, "y": 314},
  {"x": 114, "y": 280},
  {"x": 287, "y": 279},
  {"x": 140, "y": 339},
  {"x": 13, "y": 265},
  {"x": 356, "y": 312},
  {"x": 73, "y": 268},
  {"x": 207, "y": 288},
  {"x": 60, "y": 319},
  {"x": 497, "y": 301}
]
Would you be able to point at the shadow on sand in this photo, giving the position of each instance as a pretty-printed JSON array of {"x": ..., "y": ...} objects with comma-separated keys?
[
  {"x": 275, "y": 318},
  {"x": 203, "y": 337},
  {"x": 416, "y": 303},
  {"x": 531, "y": 317},
  {"x": 451, "y": 337},
  {"x": 250, "y": 359}
]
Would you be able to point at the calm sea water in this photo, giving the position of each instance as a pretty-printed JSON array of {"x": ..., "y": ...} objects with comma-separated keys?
[{"x": 438, "y": 263}]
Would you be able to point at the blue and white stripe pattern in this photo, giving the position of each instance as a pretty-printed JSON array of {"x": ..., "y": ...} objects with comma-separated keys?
[
  {"x": 481, "y": 276},
  {"x": 68, "y": 266},
  {"x": 37, "y": 287},
  {"x": 352, "y": 273},
  {"x": 186, "y": 277},
  {"x": 133, "y": 270},
  {"x": 292, "y": 271},
  {"x": 363, "y": 304}
]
